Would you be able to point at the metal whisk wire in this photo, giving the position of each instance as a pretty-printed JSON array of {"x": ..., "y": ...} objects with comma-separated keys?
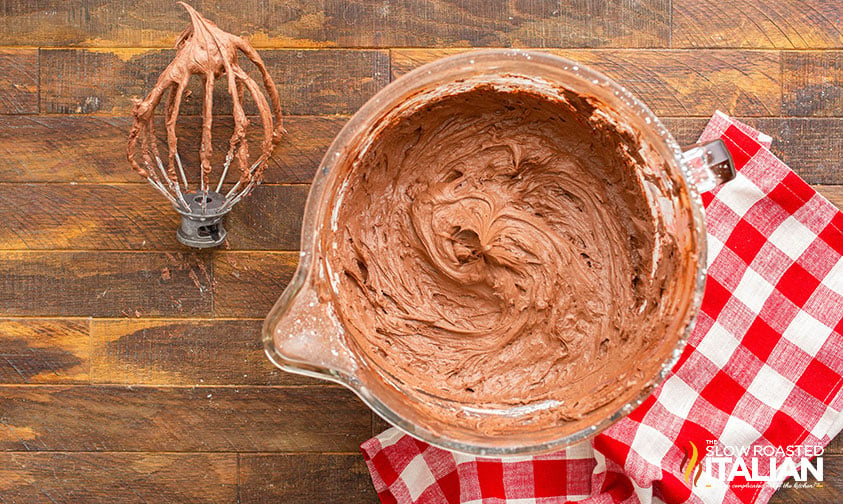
[{"x": 205, "y": 50}]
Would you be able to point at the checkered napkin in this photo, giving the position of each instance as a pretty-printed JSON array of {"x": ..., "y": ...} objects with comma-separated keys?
[{"x": 763, "y": 367}]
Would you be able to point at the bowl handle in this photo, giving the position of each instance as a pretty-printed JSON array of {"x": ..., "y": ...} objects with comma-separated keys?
[{"x": 709, "y": 164}]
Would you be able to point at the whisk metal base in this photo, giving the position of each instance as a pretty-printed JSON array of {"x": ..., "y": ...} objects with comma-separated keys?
[{"x": 202, "y": 227}]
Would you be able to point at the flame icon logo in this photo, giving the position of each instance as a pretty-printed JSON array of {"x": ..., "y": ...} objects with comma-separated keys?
[{"x": 690, "y": 464}]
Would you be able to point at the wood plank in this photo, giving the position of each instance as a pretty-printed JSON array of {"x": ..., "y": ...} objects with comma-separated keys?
[
  {"x": 105, "y": 284},
  {"x": 305, "y": 479},
  {"x": 694, "y": 82},
  {"x": 585, "y": 23},
  {"x": 684, "y": 83},
  {"x": 64, "y": 149},
  {"x": 687, "y": 130},
  {"x": 102, "y": 81},
  {"x": 93, "y": 148},
  {"x": 87, "y": 216},
  {"x": 326, "y": 81},
  {"x": 829, "y": 490},
  {"x": 136, "y": 217},
  {"x": 268, "y": 219},
  {"x": 44, "y": 351},
  {"x": 379, "y": 424},
  {"x": 812, "y": 147},
  {"x": 834, "y": 194},
  {"x": 85, "y": 148},
  {"x": 835, "y": 446},
  {"x": 118, "y": 477},
  {"x": 18, "y": 81},
  {"x": 785, "y": 24},
  {"x": 179, "y": 352},
  {"x": 812, "y": 83},
  {"x": 297, "y": 157},
  {"x": 178, "y": 419},
  {"x": 101, "y": 23},
  {"x": 247, "y": 284},
  {"x": 346, "y": 23},
  {"x": 322, "y": 81}
]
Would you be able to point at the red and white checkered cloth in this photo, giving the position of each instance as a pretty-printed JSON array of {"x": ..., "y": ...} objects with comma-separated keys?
[{"x": 763, "y": 367}]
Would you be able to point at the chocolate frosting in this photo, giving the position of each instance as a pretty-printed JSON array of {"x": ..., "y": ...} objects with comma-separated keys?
[
  {"x": 205, "y": 50},
  {"x": 495, "y": 250}
]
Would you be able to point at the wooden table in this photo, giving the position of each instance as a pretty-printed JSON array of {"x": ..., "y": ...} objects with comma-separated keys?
[{"x": 131, "y": 368}]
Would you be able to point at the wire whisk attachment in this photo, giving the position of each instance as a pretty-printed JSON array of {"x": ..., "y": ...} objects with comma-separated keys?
[{"x": 205, "y": 50}]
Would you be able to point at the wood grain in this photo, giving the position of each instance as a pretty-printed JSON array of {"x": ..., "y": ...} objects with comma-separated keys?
[
  {"x": 687, "y": 130},
  {"x": 590, "y": 23},
  {"x": 379, "y": 424},
  {"x": 785, "y": 24},
  {"x": 304, "y": 479},
  {"x": 834, "y": 194},
  {"x": 325, "y": 81},
  {"x": 828, "y": 491},
  {"x": 88, "y": 81},
  {"x": 44, "y": 351},
  {"x": 105, "y": 284},
  {"x": 812, "y": 147},
  {"x": 88, "y": 216},
  {"x": 18, "y": 81},
  {"x": 682, "y": 83},
  {"x": 64, "y": 149},
  {"x": 835, "y": 447},
  {"x": 136, "y": 217},
  {"x": 77, "y": 478},
  {"x": 93, "y": 148},
  {"x": 179, "y": 352},
  {"x": 297, "y": 157},
  {"x": 85, "y": 81},
  {"x": 247, "y": 284},
  {"x": 347, "y": 23},
  {"x": 269, "y": 219},
  {"x": 176, "y": 419},
  {"x": 812, "y": 83}
]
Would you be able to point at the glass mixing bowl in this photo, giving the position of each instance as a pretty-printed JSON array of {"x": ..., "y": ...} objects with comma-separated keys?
[{"x": 304, "y": 334}]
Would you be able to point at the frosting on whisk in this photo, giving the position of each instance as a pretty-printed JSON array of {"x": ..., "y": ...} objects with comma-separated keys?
[{"x": 205, "y": 50}]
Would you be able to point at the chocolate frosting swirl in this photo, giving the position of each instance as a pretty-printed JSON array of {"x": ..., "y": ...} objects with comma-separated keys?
[{"x": 495, "y": 249}]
